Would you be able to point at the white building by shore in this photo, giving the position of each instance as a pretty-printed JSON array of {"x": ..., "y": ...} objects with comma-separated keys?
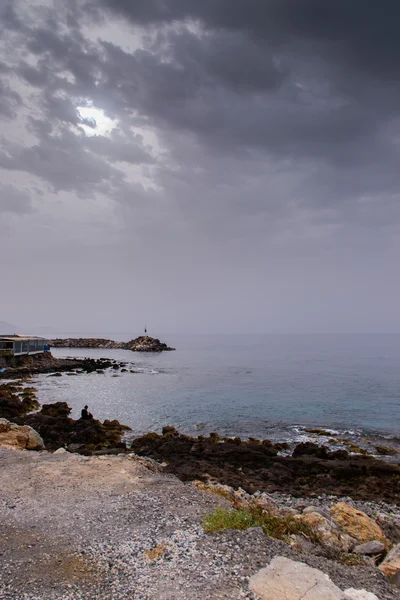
[{"x": 19, "y": 345}]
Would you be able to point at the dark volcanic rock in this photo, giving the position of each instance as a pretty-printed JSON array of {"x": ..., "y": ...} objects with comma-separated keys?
[
  {"x": 16, "y": 402},
  {"x": 256, "y": 466},
  {"x": 58, "y": 430},
  {"x": 54, "y": 424},
  {"x": 47, "y": 363}
]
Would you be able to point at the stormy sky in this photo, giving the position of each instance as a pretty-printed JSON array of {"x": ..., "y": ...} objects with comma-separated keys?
[{"x": 200, "y": 165}]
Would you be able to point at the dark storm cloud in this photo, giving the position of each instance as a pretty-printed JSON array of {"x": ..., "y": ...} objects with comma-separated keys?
[
  {"x": 285, "y": 79},
  {"x": 365, "y": 33},
  {"x": 251, "y": 158}
]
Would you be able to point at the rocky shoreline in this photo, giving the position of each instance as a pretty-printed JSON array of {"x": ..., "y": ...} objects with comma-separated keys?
[
  {"x": 116, "y": 527},
  {"x": 317, "y": 506},
  {"x": 141, "y": 344},
  {"x": 253, "y": 465},
  {"x": 27, "y": 366}
]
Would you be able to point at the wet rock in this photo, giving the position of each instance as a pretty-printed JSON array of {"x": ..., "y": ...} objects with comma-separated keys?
[
  {"x": 286, "y": 579},
  {"x": 58, "y": 409},
  {"x": 58, "y": 429},
  {"x": 19, "y": 437},
  {"x": 310, "y": 449},
  {"x": 391, "y": 565},
  {"x": 254, "y": 466},
  {"x": 169, "y": 429},
  {"x": 373, "y": 548},
  {"x": 357, "y": 524},
  {"x": 386, "y": 450}
]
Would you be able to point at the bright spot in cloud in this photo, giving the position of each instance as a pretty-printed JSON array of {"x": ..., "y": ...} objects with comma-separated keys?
[{"x": 95, "y": 121}]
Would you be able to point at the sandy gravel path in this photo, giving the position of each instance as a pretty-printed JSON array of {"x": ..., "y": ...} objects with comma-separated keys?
[{"x": 98, "y": 528}]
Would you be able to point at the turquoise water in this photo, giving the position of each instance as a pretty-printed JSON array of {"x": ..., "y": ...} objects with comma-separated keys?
[{"x": 265, "y": 386}]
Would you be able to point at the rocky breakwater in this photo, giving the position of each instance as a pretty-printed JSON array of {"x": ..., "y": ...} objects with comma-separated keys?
[
  {"x": 143, "y": 343},
  {"x": 146, "y": 344},
  {"x": 85, "y": 343},
  {"x": 54, "y": 425}
]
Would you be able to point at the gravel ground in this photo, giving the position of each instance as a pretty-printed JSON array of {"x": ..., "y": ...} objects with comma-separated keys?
[{"x": 79, "y": 528}]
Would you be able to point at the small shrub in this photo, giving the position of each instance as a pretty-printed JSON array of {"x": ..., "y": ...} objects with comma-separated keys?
[
  {"x": 222, "y": 519},
  {"x": 276, "y": 526}
]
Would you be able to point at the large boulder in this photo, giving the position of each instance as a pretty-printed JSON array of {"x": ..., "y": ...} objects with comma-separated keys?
[
  {"x": 19, "y": 437},
  {"x": 391, "y": 565},
  {"x": 328, "y": 532},
  {"x": 286, "y": 579},
  {"x": 357, "y": 524}
]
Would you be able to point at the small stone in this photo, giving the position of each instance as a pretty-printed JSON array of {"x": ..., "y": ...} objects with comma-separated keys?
[
  {"x": 391, "y": 565},
  {"x": 373, "y": 548},
  {"x": 316, "y": 509},
  {"x": 60, "y": 451}
]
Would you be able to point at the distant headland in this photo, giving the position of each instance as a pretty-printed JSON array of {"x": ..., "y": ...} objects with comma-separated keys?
[{"x": 143, "y": 343}]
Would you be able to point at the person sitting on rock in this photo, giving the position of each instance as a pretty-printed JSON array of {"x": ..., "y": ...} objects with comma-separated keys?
[{"x": 85, "y": 414}]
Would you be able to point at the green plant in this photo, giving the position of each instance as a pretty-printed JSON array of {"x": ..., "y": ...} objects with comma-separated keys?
[
  {"x": 222, "y": 519},
  {"x": 276, "y": 526}
]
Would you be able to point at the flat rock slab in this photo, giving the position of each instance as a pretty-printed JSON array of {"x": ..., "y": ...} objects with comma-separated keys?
[{"x": 285, "y": 579}]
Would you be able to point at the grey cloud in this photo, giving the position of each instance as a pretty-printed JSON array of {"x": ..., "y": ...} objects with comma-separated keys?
[
  {"x": 275, "y": 165},
  {"x": 10, "y": 100},
  {"x": 63, "y": 162},
  {"x": 13, "y": 200},
  {"x": 364, "y": 33}
]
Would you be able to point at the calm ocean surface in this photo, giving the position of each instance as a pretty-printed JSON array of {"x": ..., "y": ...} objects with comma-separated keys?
[{"x": 262, "y": 386}]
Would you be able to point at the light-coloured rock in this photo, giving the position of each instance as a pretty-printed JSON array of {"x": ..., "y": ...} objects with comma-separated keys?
[
  {"x": 60, "y": 451},
  {"x": 328, "y": 531},
  {"x": 357, "y": 524},
  {"x": 300, "y": 543},
  {"x": 370, "y": 548},
  {"x": 353, "y": 594},
  {"x": 391, "y": 565},
  {"x": 149, "y": 463},
  {"x": 286, "y": 579},
  {"x": 239, "y": 498},
  {"x": 316, "y": 509},
  {"x": 19, "y": 437}
]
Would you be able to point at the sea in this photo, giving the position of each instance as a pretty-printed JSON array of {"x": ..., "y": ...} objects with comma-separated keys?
[{"x": 276, "y": 387}]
